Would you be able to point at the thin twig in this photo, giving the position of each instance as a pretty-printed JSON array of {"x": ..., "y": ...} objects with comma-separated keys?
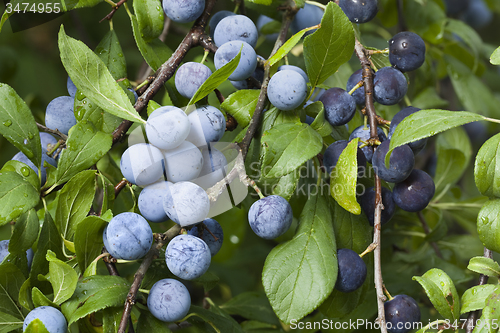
[
  {"x": 427, "y": 231},
  {"x": 121, "y": 185},
  {"x": 139, "y": 275},
  {"x": 51, "y": 131},
  {"x": 380, "y": 120},
  {"x": 261, "y": 102},
  {"x": 110, "y": 263},
  {"x": 372, "y": 118},
  {"x": 113, "y": 11},
  {"x": 483, "y": 279}
]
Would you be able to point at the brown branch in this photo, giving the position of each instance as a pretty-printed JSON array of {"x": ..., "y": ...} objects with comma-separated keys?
[
  {"x": 113, "y": 11},
  {"x": 120, "y": 186},
  {"x": 139, "y": 275},
  {"x": 261, "y": 102},
  {"x": 110, "y": 263},
  {"x": 483, "y": 279},
  {"x": 196, "y": 36},
  {"x": 51, "y": 131},
  {"x": 428, "y": 231},
  {"x": 372, "y": 118}
]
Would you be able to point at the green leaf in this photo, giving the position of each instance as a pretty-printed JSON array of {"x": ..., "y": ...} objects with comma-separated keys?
[
  {"x": 429, "y": 99},
  {"x": 270, "y": 28},
  {"x": 467, "y": 35},
  {"x": 340, "y": 304},
  {"x": 75, "y": 200},
  {"x": 9, "y": 323},
  {"x": 25, "y": 232},
  {"x": 49, "y": 239},
  {"x": 85, "y": 111},
  {"x": 217, "y": 77},
  {"x": 39, "y": 299},
  {"x": 485, "y": 266},
  {"x": 474, "y": 298},
  {"x": 88, "y": 240},
  {"x": 426, "y": 123},
  {"x": 320, "y": 124},
  {"x": 453, "y": 151},
  {"x": 85, "y": 146},
  {"x": 91, "y": 269},
  {"x": 36, "y": 326},
  {"x": 22, "y": 169},
  {"x": 152, "y": 105},
  {"x": 473, "y": 93},
  {"x": 111, "y": 318},
  {"x": 111, "y": 54},
  {"x": 488, "y": 224},
  {"x": 330, "y": 46},
  {"x": 93, "y": 79},
  {"x": 288, "y": 146},
  {"x": 11, "y": 280},
  {"x": 150, "y": 18},
  {"x": 17, "y": 124},
  {"x": 148, "y": 323},
  {"x": 95, "y": 293},
  {"x": 69, "y": 245},
  {"x": 491, "y": 312},
  {"x": 63, "y": 278},
  {"x": 16, "y": 196},
  {"x": 241, "y": 105},
  {"x": 441, "y": 292},
  {"x": 251, "y": 305},
  {"x": 25, "y": 296},
  {"x": 213, "y": 317},
  {"x": 344, "y": 177},
  {"x": 299, "y": 274},
  {"x": 209, "y": 280},
  {"x": 351, "y": 232},
  {"x": 495, "y": 57},
  {"x": 155, "y": 52},
  {"x": 286, "y": 47},
  {"x": 286, "y": 185},
  {"x": 487, "y": 168}
]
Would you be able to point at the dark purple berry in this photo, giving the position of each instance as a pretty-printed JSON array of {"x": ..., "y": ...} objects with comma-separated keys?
[
  {"x": 402, "y": 314},
  {"x": 390, "y": 86},
  {"x": 358, "y": 94},
  {"x": 401, "y": 162},
  {"x": 367, "y": 202},
  {"x": 415, "y": 192},
  {"x": 406, "y": 51},
  {"x": 352, "y": 271},
  {"x": 340, "y": 107},
  {"x": 359, "y": 11}
]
